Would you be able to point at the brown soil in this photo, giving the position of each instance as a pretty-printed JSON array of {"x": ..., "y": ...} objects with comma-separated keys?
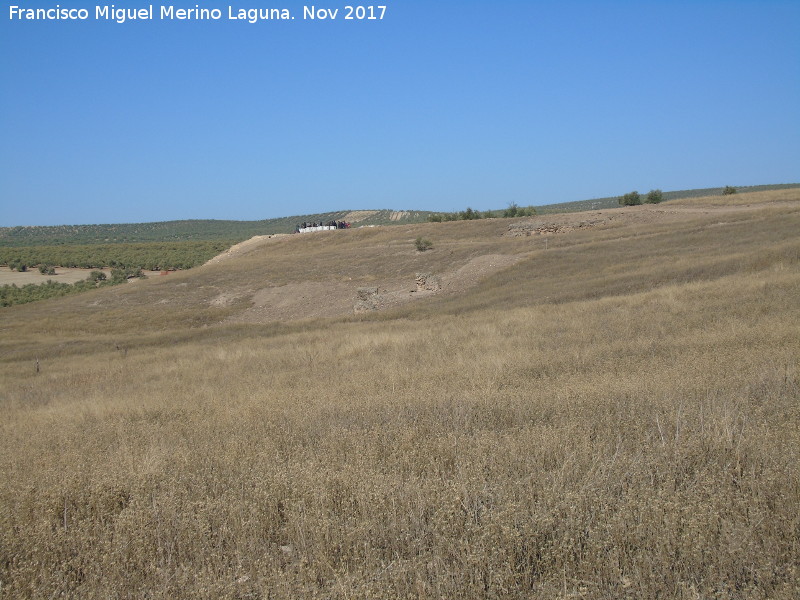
[{"x": 310, "y": 299}]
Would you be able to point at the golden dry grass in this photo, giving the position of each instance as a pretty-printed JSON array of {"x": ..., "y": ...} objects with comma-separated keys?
[
  {"x": 740, "y": 199},
  {"x": 617, "y": 416}
]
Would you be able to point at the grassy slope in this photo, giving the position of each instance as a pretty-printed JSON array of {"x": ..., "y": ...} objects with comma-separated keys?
[
  {"x": 614, "y": 416},
  {"x": 601, "y": 203}
]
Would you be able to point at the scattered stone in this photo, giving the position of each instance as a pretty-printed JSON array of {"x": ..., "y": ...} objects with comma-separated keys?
[
  {"x": 367, "y": 299},
  {"x": 428, "y": 282},
  {"x": 366, "y": 293},
  {"x": 527, "y": 228}
]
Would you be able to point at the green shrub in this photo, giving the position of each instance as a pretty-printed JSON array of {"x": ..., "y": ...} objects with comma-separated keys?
[
  {"x": 654, "y": 196},
  {"x": 422, "y": 244},
  {"x": 729, "y": 190},
  {"x": 469, "y": 215},
  {"x": 631, "y": 199},
  {"x": 17, "y": 265},
  {"x": 118, "y": 275}
]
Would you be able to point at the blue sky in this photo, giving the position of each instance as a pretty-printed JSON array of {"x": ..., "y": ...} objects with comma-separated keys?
[{"x": 439, "y": 106}]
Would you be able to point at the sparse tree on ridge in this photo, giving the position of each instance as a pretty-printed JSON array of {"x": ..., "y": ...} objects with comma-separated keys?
[
  {"x": 654, "y": 196},
  {"x": 631, "y": 199},
  {"x": 469, "y": 214}
]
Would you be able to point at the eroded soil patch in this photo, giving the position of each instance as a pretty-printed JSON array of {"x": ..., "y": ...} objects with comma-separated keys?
[{"x": 310, "y": 299}]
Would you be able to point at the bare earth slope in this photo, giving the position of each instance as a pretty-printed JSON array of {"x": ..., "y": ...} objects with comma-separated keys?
[{"x": 458, "y": 264}]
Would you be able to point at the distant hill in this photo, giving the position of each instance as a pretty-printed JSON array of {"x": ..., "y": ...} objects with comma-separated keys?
[
  {"x": 237, "y": 231},
  {"x": 613, "y": 202},
  {"x": 189, "y": 230}
]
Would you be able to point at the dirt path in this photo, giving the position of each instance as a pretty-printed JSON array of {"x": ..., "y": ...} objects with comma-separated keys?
[{"x": 245, "y": 247}]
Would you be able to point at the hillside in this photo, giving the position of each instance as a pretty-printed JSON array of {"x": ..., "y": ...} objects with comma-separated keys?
[
  {"x": 277, "y": 275},
  {"x": 600, "y": 404},
  {"x": 610, "y": 202},
  {"x": 237, "y": 231},
  {"x": 189, "y": 230}
]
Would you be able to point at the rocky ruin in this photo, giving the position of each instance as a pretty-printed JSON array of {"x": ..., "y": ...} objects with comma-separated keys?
[
  {"x": 367, "y": 299},
  {"x": 526, "y": 228},
  {"x": 428, "y": 283}
]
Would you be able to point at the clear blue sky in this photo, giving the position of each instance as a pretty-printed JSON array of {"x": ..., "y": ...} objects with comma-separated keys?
[{"x": 441, "y": 105}]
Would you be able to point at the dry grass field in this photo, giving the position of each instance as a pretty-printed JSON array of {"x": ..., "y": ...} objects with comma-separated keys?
[{"x": 608, "y": 412}]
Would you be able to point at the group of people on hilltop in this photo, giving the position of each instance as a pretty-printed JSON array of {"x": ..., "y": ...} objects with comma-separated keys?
[{"x": 320, "y": 225}]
